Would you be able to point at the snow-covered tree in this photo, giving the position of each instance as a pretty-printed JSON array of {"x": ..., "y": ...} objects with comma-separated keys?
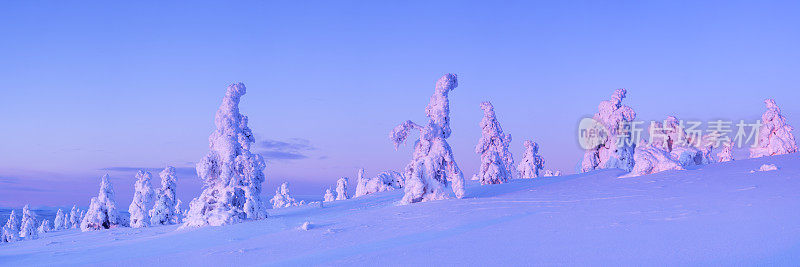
[
  {"x": 496, "y": 161},
  {"x": 726, "y": 153},
  {"x": 179, "y": 212},
  {"x": 282, "y": 198},
  {"x": 614, "y": 149},
  {"x": 329, "y": 196},
  {"x": 385, "y": 181},
  {"x": 432, "y": 165},
  {"x": 361, "y": 183},
  {"x": 74, "y": 217},
  {"x": 531, "y": 162},
  {"x": 775, "y": 135},
  {"x": 11, "y": 228},
  {"x": 142, "y": 200},
  {"x": 29, "y": 224},
  {"x": 167, "y": 209},
  {"x": 61, "y": 221},
  {"x": 687, "y": 149},
  {"x": 550, "y": 173},
  {"x": 45, "y": 227},
  {"x": 341, "y": 189},
  {"x": 231, "y": 173},
  {"x": 102, "y": 213}
]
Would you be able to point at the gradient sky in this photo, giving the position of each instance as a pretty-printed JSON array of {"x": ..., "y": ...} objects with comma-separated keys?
[{"x": 90, "y": 88}]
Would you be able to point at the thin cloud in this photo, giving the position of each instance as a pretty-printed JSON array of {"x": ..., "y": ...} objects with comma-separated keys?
[
  {"x": 179, "y": 171},
  {"x": 292, "y": 149}
]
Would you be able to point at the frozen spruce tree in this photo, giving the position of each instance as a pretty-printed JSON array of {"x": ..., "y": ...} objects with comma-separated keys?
[
  {"x": 231, "y": 173},
  {"x": 614, "y": 149},
  {"x": 60, "y": 222},
  {"x": 282, "y": 198},
  {"x": 726, "y": 153},
  {"x": 29, "y": 224},
  {"x": 432, "y": 165},
  {"x": 11, "y": 228},
  {"x": 329, "y": 196},
  {"x": 102, "y": 213},
  {"x": 361, "y": 183},
  {"x": 775, "y": 135},
  {"x": 75, "y": 217},
  {"x": 166, "y": 209},
  {"x": 531, "y": 163},
  {"x": 496, "y": 161},
  {"x": 142, "y": 200},
  {"x": 341, "y": 189},
  {"x": 45, "y": 227}
]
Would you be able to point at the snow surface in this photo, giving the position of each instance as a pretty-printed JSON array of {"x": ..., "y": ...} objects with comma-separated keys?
[{"x": 716, "y": 214}]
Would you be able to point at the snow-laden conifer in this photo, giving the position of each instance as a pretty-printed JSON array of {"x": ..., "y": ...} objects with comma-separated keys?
[
  {"x": 166, "y": 209},
  {"x": 531, "y": 163},
  {"x": 282, "y": 198},
  {"x": 102, "y": 213},
  {"x": 29, "y": 224},
  {"x": 142, "y": 200},
  {"x": 432, "y": 165},
  {"x": 75, "y": 217},
  {"x": 329, "y": 196},
  {"x": 726, "y": 153},
  {"x": 497, "y": 163},
  {"x": 231, "y": 173},
  {"x": 614, "y": 149},
  {"x": 60, "y": 221},
  {"x": 11, "y": 228},
  {"x": 775, "y": 135},
  {"x": 45, "y": 227},
  {"x": 341, "y": 189}
]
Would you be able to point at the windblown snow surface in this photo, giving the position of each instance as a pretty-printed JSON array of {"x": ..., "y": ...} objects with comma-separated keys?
[{"x": 713, "y": 214}]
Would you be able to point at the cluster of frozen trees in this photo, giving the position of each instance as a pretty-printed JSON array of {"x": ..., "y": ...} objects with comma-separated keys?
[
  {"x": 150, "y": 207},
  {"x": 670, "y": 146},
  {"x": 283, "y": 199},
  {"x": 29, "y": 226},
  {"x": 231, "y": 173},
  {"x": 340, "y": 193}
]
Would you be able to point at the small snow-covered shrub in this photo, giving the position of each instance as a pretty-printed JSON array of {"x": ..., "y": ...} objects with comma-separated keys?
[
  {"x": 142, "y": 199},
  {"x": 775, "y": 135},
  {"x": 306, "y": 226},
  {"x": 531, "y": 162},
  {"x": 652, "y": 159},
  {"x": 385, "y": 181},
  {"x": 768, "y": 167},
  {"x": 432, "y": 167},
  {"x": 102, "y": 213}
]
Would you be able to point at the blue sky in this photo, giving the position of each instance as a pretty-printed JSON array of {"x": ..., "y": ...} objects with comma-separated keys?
[{"x": 89, "y": 88}]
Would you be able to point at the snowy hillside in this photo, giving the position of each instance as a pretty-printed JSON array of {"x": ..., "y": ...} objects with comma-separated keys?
[{"x": 720, "y": 213}]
